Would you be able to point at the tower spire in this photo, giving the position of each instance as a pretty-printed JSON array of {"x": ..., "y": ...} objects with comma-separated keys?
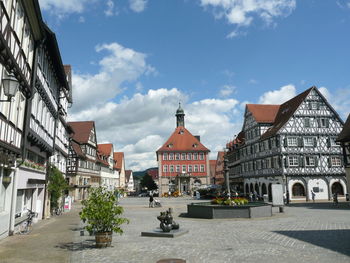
[{"x": 180, "y": 117}]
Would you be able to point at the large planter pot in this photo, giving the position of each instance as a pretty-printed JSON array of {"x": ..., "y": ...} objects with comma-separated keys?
[{"x": 103, "y": 239}]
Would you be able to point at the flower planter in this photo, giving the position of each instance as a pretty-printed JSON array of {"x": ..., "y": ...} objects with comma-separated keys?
[{"x": 103, "y": 239}]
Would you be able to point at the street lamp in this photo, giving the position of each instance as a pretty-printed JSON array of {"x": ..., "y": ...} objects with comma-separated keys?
[{"x": 10, "y": 84}]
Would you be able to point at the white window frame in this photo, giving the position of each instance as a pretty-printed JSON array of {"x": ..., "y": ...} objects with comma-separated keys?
[
  {"x": 190, "y": 170},
  {"x": 184, "y": 168},
  {"x": 165, "y": 168},
  {"x": 195, "y": 168},
  {"x": 335, "y": 161},
  {"x": 202, "y": 168},
  {"x": 293, "y": 161},
  {"x": 165, "y": 156},
  {"x": 183, "y": 156},
  {"x": 292, "y": 141},
  {"x": 195, "y": 156},
  {"x": 201, "y": 156},
  {"x": 310, "y": 161},
  {"x": 309, "y": 141},
  {"x": 177, "y": 156},
  {"x": 171, "y": 156},
  {"x": 177, "y": 168},
  {"x": 189, "y": 156},
  {"x": 171, "y": 169}
]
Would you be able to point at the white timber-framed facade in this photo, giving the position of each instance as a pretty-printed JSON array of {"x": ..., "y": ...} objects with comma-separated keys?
[{"x": 293, "y": 144}]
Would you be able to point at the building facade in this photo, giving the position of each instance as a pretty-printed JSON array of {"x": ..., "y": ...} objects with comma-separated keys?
[
  {"x": 129, "y": 181},
  {"x": 82, "y": 170},
  {"x": 183, "y": 161},
  {"x": 119, "y": 168},
  {"x": 292, "y": 144},
  {"x": 109, "y": 176},
  {"x": 344, "y": 139}
]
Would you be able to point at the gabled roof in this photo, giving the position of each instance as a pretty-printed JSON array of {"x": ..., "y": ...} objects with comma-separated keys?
[
  {"x": 105, "y": 148},
  {"x": 220, "y": 162},
  {"x": 285, "y": 112},
  {"x": 118, "y": 158},
  {"x": 263, "y": 113},
  {"x": 127, "y": 175},
  {"x": 100, "y": 159},
  {"x": 344, "y": 135},
  {"x": 182, "y": 140},
  {"x": 77, "y": 149},
  {"x": 82, "y": 130}
]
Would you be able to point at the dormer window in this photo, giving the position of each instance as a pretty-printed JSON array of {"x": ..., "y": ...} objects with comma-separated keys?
[
  {"x": 170, "y": 145},
  {"x": 181, "y": 132},
  {"x": 195, "y": 145}
]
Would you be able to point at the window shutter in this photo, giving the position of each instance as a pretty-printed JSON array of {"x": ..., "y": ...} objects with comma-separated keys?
[
  {"x": 318, "y": 123},
  {"x": 277, "y": 141},
  {"x": 328, "y": 142},
  {"x": 272, "y": 162},
  {"x": 310, "y": 105},
  {"x": 315, "y": 142},
  {"x": 301, "y": 161},
  {"x": 327, "y": 123},
  {"x": 316, "y": 161},
  {"x": 286, "y": 162},
  {"x": 270, "y": 143},
  {"x": 329, "y": 162},
  {"x": 285, "y": 142},
  {"x": 317, "y": 105}
]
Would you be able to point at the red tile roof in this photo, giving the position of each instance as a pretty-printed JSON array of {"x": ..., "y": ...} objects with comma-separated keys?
[
  {"x": 100, "y": 159},
  {"x": 105, "y": 148},
  {"x": 118, "y": 157},
  {"x": 77, "y": 149},
  {"x": 82, "y": 130},
  {"x": 182, "y": 140},
  {"x": 285, "y": 112},
  {"x": 263, "y": 113},
  {"x": 127, "y": 175}
]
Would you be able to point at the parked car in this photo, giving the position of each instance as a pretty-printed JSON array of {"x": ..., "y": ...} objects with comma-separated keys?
[{"x": 143, "y": 195}]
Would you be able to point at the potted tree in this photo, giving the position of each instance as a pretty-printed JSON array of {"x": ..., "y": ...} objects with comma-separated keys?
[{"x": 102, "y": 216}]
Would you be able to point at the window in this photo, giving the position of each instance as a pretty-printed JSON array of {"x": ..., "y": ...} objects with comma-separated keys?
[
  {"x": 323, "y": 123},
  {"x": 268, "y": 162},
  {"x": 309, "y": 161},
  {"x": 165, "y": 156},
  {"x": 196, "y": 167},
  {"x": 335, "y": 161},
  {"x": 292, "y": 141},
  {"x": 201, "y": 156},
  {"x": 307, "y": 123},
  {"x": 308, "y": 141},
  {"x": 177, "y": 156},
  {"x": 19, "y": 201},
  {"x": 202, "y": 167},
  {"x": 314, "y": 105},
  {"x": 177, "y": 168},
  {"x": 171, "y": 156},
  {"x": 183, "y": 156},
  {"x": 195, "y": 156},
  {"x": 189, "y": 156},
  {"x": 293, "y": 161},
  {"x": 190, "y": 168},
  {"x": 171, "y": 168},
  {"x": 276, "y": 163},
  {"x": 184, "y": 168}
]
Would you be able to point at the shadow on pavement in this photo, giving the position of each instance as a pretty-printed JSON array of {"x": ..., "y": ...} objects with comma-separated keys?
[
  {"x": 311, "y": 205},
  {"x": 336, "y": 240},
  {"x": 78, "y": 246}
]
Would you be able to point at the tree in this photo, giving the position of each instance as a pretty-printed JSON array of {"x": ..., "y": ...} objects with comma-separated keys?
[
  {"x": 147, "y": 181},
  {"x": 57, "y": 185}
]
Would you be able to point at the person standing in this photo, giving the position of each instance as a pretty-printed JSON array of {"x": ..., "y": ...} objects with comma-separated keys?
[
  {"x": 313, "y": 196},
  {"x": 151, "y": 201}
]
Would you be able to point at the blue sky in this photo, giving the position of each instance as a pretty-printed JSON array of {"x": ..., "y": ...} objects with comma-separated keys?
[{"x": 133, "y": 60}]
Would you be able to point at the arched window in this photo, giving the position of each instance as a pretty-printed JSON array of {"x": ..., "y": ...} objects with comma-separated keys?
[
  {"x": 337, "y": 188},
  {"x": 298, "y": 190},
  {"x": 263, "y": 189},
  {"x": 247, "y": 188}
]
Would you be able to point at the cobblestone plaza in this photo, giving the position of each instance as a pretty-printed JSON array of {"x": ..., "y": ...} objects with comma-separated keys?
[
  {"x": 304, "y": 233},
  {"x": 312, "y": 232}
]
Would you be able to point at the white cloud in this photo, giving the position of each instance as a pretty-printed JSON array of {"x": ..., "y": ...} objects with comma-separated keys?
[
  {"x": 81, "y": 19},
  {"x": 137, "y": 6},
  {"x": 339, "y": 100},
  {"x": 242, "y": 12},
  {"x": 64, "y": 7},
  {"x": 139, "y": 125},
  {"x": 111, "y": 9},
  {"x": 120, "y": 65},
  {"x": 227, "y": 90},
  {"x": 278, "y": 96}
]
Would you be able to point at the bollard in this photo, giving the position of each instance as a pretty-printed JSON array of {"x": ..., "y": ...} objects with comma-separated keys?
[{"x": 281, "y": 209}]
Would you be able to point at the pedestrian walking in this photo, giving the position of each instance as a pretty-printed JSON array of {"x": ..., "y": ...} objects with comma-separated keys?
[
  {"x": 335, "y": 198},
  {"x": 313, "y": 196},
  {"x": 151, "y": 201},
  {"x": 169, "y": 194}
]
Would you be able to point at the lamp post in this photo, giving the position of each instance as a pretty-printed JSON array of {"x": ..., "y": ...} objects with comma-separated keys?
[{"x": 10, "y": 84}]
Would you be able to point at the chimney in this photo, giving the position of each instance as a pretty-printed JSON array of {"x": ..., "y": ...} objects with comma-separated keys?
[{"x": 198, "y": 137}]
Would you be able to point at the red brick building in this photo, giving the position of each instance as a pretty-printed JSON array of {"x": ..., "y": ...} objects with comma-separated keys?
[{"x": 183, "y": 161}]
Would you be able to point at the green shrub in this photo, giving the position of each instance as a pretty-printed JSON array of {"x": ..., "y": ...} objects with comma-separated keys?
[{"x": 101, "y": 212}]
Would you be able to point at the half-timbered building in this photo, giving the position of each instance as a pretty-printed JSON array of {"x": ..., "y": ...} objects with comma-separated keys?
[
  {"x": 82, "y": 170},
  {"x": 120, "y": 168},
  {"x": 20, "y": 26},
  {"x": 291, "y": 144},
  {"x": 183, "y": 161}
]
